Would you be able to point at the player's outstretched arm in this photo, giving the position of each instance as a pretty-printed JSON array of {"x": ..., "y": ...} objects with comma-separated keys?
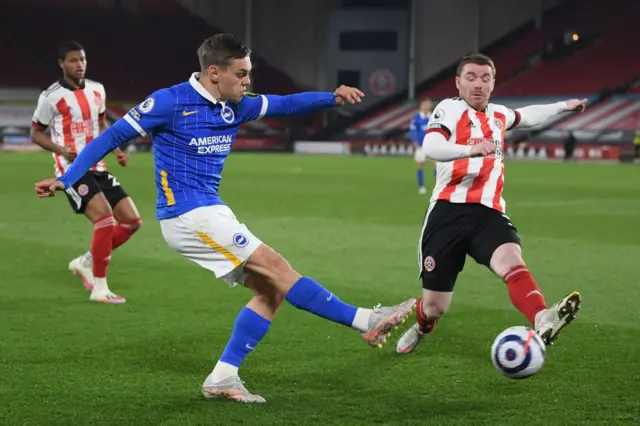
[
  {"x": 535, "y": 115},
  {"x": 259, "y": 106}
]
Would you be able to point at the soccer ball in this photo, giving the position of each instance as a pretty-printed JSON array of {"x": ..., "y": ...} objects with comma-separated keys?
[{"x": 518, "y": 352}]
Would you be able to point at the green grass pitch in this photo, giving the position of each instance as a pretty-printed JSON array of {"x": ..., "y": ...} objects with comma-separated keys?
[{"x": 352, "y": 223}]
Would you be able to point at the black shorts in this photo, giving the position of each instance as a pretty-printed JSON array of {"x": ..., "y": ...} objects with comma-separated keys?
[
  {"x": 454, "y": 230},
  {"x": 92, "y": 183}
]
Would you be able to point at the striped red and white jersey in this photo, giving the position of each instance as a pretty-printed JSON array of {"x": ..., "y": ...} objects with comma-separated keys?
[
  {"x": 74, "y": 116},
  {"x": 472, "y": 180}
]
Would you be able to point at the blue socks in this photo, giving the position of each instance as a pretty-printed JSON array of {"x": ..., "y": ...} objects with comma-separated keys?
[
  {"x": 248, "y": 330},
  {"x": 250, "y": 327},
  {"x": 308, "y": 295}
]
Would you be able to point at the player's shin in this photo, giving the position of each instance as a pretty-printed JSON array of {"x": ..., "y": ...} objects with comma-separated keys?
[
  {"x": 524, "y": 292},
  {"x": 309, "y": 295},
  {"x": 101, "y": 248},
  {"x": 248, "y": 330}
]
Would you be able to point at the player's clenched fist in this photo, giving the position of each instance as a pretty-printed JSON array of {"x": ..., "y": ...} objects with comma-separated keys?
[
  {"x": 483, "y": 149},
  {"x": 48, "y": 188},
  {"x": 351, "y": 94},
  {"x": 578, "y": 105}
]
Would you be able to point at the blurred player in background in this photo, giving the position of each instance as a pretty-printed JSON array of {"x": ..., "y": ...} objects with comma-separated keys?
[
  {"x": 74, "y": 109},
  {"x": 467, "y": 211},
  {"x": 416, "y": 131},
  {"x": 194, "y": 125}
]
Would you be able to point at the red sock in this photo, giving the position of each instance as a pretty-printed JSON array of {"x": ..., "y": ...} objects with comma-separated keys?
[
  {"x": 426, "y": 325},
  {"x": 124, "y": 230},
  {"x": 524, "y": 292},
  {"x": 101, "y": 244}
]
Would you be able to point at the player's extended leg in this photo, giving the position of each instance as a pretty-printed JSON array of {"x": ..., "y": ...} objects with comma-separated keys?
[
  {"x": 304, "y": 293},
  {"x": 526, "y": 296},
  {"x": 442, "y": 253},
  {"x": 212, "y": 237},
  {"x": 272, "y": 280},
  {"x": 99, "y": 212},
  {"x": 271, "y": 287}
]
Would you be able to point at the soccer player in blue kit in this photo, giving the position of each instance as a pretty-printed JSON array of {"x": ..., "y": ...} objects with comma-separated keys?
[
  {"x": 193, "y": 126},
  {"x": 417, "y": 128}
]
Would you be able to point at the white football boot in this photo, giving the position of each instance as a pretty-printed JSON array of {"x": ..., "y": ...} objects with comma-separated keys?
[
  {"x": 82, "y": 266},
  {"x": 385, "y": 319},
  {"x": 107, "y": 297},
  {"x": 549, "y": 322},
  {"x": 230, "y": 388},
  {"x": 409, "y": 340}
]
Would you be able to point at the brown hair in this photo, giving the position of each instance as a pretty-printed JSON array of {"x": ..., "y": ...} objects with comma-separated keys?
[
  {"x": 220, "y": 50},
  {"x": 478, "y": 59}
]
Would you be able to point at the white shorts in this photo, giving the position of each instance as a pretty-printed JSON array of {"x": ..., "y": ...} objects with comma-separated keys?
[
  {"x": 212, "y": 237},
  {"x": 419, "y": 155}
]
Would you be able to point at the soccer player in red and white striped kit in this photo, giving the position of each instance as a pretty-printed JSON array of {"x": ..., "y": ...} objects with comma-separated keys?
[
  {"x": 466, "y": 215},
  {"x": 74, "y": 110}
]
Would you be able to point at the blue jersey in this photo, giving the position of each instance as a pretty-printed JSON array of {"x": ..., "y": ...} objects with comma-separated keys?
[
  {"x": 418, "y": 127},
  {"x": 192, "y": 135}
]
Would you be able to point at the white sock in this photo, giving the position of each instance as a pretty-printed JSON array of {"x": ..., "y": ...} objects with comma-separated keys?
[
  {"x": 222, "y": 370},
  {"x": 361, "y": 320},
  {"x": 100, "y": 285}
]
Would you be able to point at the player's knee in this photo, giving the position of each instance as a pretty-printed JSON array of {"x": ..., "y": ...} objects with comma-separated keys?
[
  {"x": 134, "y": 225},
  {"x": 436, "y": 303},
  {"x": 506, "y": 257},
  {"x": 275, "y": 268}
]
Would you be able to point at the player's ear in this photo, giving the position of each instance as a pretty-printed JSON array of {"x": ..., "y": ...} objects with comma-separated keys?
[
  {"x": 457, "y": 82},
  {"x": 61, "y": 64},
  {"x": 214, "y": 73}
]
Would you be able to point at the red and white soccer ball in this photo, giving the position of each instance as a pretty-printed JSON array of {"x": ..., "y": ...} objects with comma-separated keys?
[{"x": 518, "y": 352}]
